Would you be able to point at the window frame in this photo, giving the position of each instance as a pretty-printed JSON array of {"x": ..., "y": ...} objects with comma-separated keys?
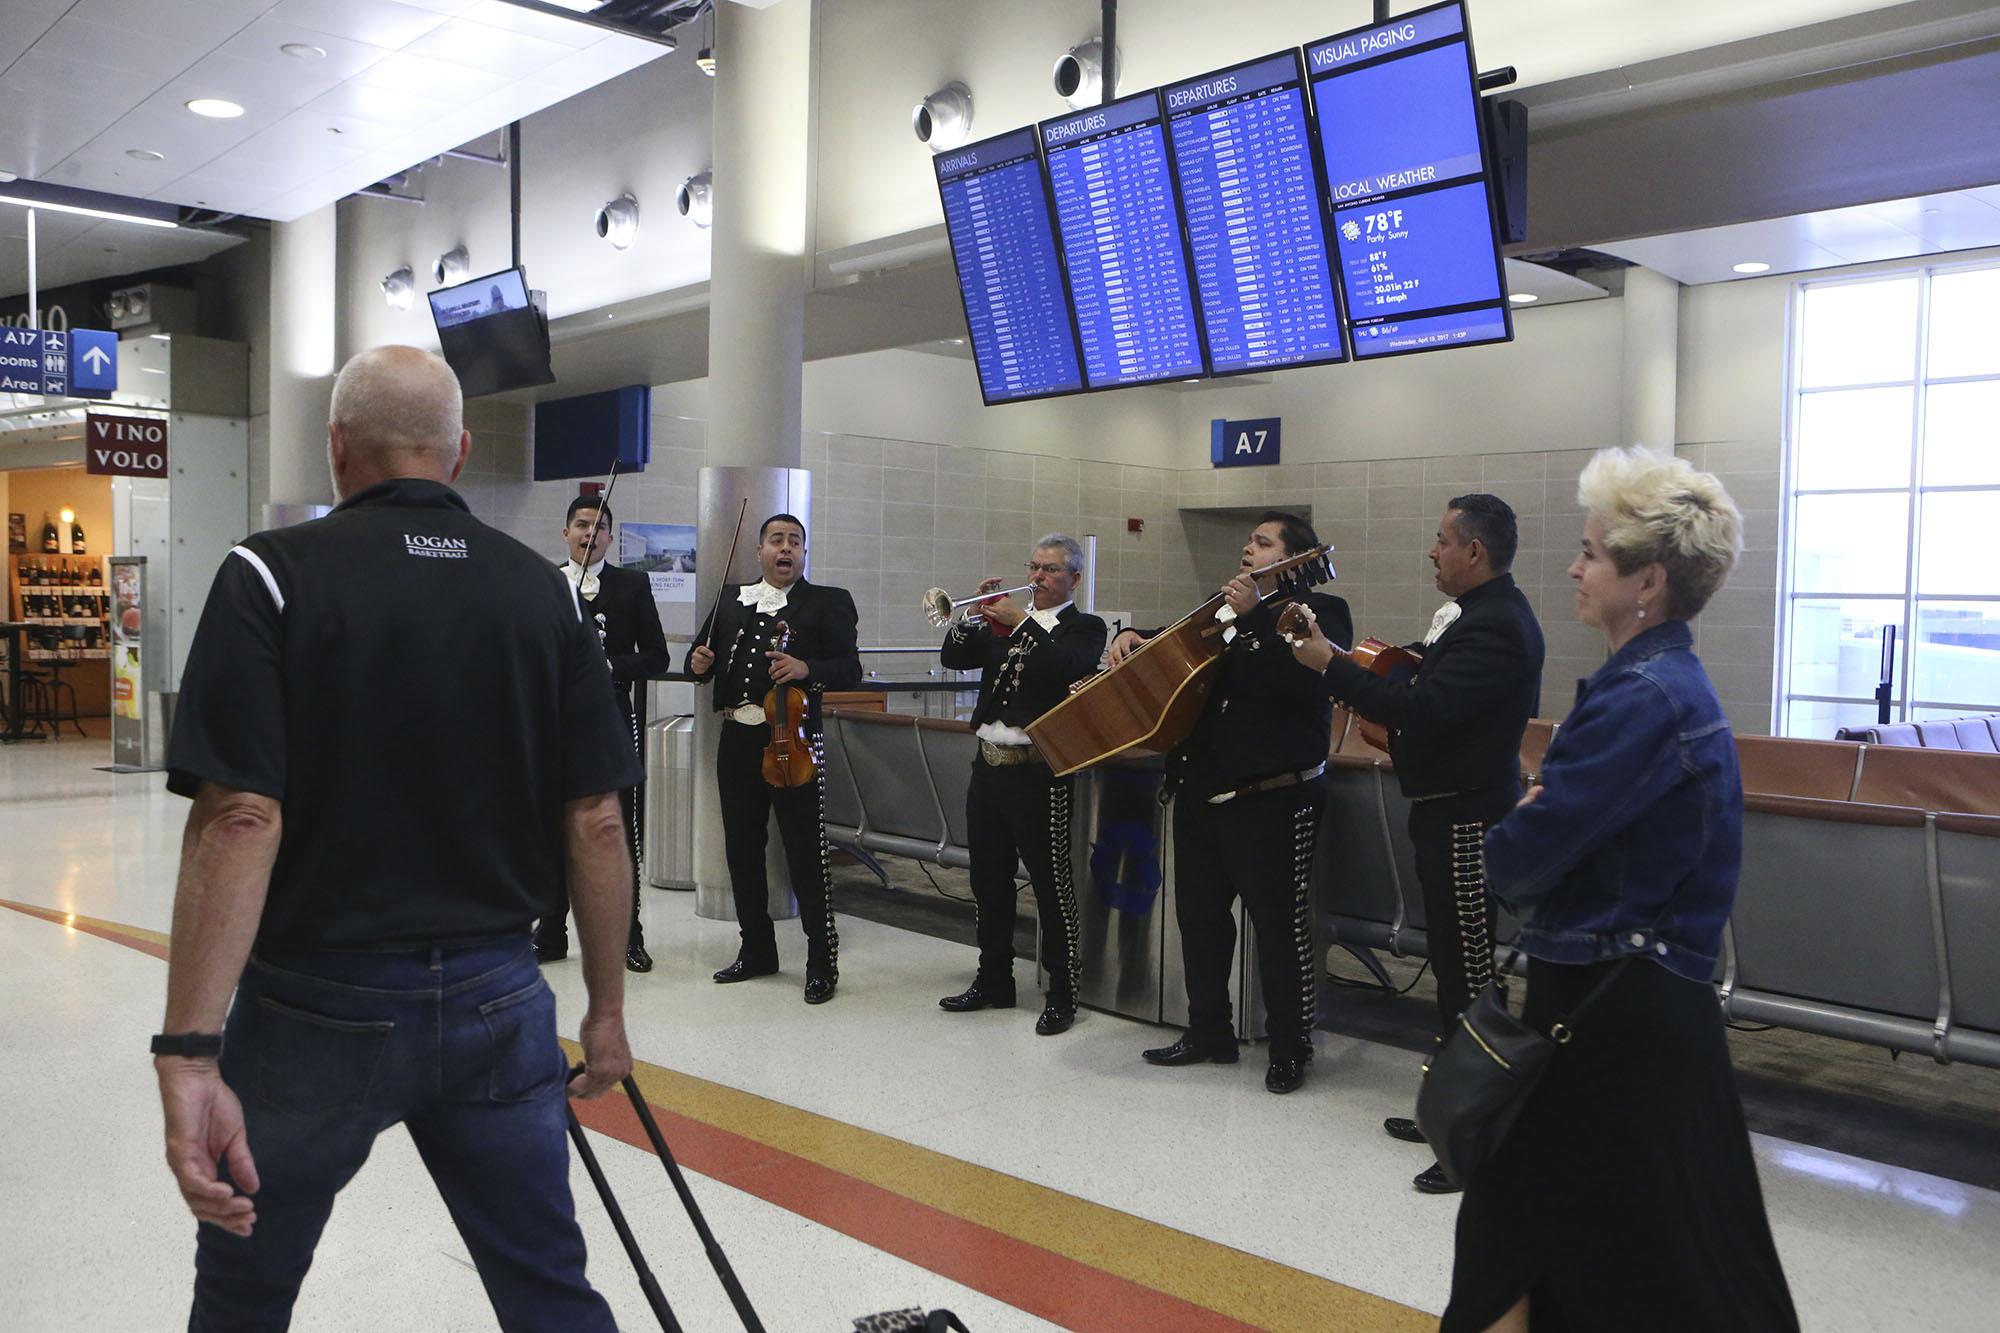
[{"x": 1904, "y": 701}]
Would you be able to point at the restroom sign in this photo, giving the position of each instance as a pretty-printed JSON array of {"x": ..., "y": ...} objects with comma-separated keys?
[
  {"x": 1243, "y": 443},
  {"x": 119, "y": 445}
]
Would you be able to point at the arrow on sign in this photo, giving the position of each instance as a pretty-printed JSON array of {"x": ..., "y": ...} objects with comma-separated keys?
[{"x": 97, "y": 359}]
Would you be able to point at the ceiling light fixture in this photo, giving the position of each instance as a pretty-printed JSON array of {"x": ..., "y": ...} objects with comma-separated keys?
[
  {"x": 704, "y": 59},
  {"x": 80, "y": 211},
  {"x": 400, "y": 288},
  {"x": 303, "y": 51},
  {"x": 618, "y": 221},
  {"x": 1523, "y": 298},
  {"x": 696, "y": 198},
  {"x": 943, "y": 120},
  {"x": 215, "y": 108},
  {"x": 452, "y": 267},
  {"x": 1079, "y": 74},
  {"x": 1751, "y": 266},
  {"x": 145, "y": 155}
]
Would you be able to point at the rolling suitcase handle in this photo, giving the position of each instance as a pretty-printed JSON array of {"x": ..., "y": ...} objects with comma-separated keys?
[
  {"x": 647, "y": 1283},
  {"x": 716, "y": 1258}
]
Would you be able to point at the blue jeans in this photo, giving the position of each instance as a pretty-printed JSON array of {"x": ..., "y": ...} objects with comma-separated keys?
[{"x": 458, "y": 1043}]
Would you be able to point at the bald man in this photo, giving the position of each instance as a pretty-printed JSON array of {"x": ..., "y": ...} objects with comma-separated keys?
[{"x": 396, "y": 734}]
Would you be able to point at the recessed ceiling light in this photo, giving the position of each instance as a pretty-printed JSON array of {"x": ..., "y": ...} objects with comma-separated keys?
[
  {"x": 1932, "y": 212},
  {"x": 145, "y": 155},
  {"x": 1751, "y": 266},
  {"x": 215, "y": 108},
  {"x": 1523, "y": 298},
  {"x": 303, "y": 51}
]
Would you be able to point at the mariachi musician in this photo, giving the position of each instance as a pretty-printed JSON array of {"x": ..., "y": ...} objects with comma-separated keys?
[
  {"x": 739, "y": 659},
  {"x": 619, "y": 602},
  {"x": 1455, "y": 734},
  {"x": 1016, "y": 810},
  {"x": 1247, "y": 805}
]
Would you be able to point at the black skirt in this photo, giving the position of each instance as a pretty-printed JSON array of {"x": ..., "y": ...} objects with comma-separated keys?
[{"x": 1626, "y": 1197}]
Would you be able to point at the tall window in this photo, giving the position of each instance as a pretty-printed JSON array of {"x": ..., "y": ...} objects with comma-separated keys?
[{"x": 1893, "y": 483}]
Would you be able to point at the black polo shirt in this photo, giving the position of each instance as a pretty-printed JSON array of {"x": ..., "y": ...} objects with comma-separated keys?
[{"x": 421, "y": 693}]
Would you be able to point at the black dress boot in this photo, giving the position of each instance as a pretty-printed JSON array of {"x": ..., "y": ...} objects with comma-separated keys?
[
  {"x": 1192, "y": 1050},
  {"x": 750, "y": 963},
  {"x": 820, "y": 983},
  {"x": 983, "y": 993}
]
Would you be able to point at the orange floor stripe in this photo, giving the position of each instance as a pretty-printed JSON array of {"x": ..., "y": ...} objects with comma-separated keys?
[
  {"x": 134, "y": 937},
  {"x": 981, "y": 1228}
]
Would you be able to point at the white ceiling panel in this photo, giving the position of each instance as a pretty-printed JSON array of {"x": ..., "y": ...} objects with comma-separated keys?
[
  {"x": 380, "y": 104},
  {"x": 499, "y": 14},
  {"x": 114, "y": 173},
  {"x": 1898, "y": 229},
  {"x": 437, "y": 79},
  {"x": 205, "y": 23},
  {"x": 225, "y": 196},
  {"x": 186, "y": 139},
  {"x": 264, "y": 42},
  {"x": 39, "y": 73},
  {"x": 136, "y": 49},
  {"x": 266, "y": 89},
  {"x": 376, "y": 22},
  {"x": 22, "y": 22},
  {"x": 512, "y": 55}
]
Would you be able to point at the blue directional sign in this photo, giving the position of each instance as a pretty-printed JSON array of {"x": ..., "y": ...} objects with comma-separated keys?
[
  {"x": 46, "y": 362},
  {"x": 1252, "y": 443},
  {"x": 93, "y": 363}
]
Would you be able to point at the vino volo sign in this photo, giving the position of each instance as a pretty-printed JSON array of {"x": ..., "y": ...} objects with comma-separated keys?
[{"x": 118, "y": 445}]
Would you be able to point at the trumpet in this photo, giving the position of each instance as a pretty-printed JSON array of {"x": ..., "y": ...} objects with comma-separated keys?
[{"x": 941, "y": 610}]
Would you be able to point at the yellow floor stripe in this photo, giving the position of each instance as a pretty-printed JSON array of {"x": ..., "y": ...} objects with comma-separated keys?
[{"x": 1244, "y": 1286}]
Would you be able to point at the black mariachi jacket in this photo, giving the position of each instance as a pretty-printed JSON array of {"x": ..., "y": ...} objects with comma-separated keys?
[
  {"x": 1457, "y": 726},
  {"x": 1267, "y": 714},
  {"x": 1050, "y": 662},
  {"x": 823, "y": 622},
  {"x": 628, "y": 621}
]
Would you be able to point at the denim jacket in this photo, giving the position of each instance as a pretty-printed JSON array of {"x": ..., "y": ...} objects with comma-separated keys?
[{"x": 1635, "y": 843}]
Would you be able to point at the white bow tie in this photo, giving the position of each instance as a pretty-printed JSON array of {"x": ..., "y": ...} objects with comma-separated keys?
[
  {"x": 1441, "y": 622},
  {"x": 764, "y": 597},
  {"x": 585, "y": 580}
]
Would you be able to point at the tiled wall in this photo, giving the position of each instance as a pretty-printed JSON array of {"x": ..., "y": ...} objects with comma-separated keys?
[{"x": 893, "y": 518}]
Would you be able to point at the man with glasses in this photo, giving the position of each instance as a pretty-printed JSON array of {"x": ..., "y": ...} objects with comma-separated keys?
[{"x": 1016, "y": 810}]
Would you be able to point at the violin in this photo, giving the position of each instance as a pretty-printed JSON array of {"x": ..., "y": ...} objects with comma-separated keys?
[
  {"x": 1372, "y": 655},
  {"x": 788, "y": 755}
]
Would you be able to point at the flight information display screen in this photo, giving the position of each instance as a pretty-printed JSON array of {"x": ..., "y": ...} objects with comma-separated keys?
[
  {"x": 1418, "y": 246},
  {"x": 1119, "y": 222},
  {"x": 1256, "y": 223},
  {"x": 997, "y": 214}
]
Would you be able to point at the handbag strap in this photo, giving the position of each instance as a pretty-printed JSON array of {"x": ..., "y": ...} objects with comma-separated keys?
[{"x": 1563, "y": 1029}]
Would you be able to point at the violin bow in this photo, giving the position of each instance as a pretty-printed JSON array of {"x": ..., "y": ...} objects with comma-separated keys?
[
  {"x": 728, "y": 560},
  {"x": 603, "y": 506}
]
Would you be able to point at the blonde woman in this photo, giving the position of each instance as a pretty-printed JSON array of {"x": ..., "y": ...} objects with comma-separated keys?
[{"x": 1626, "y": 1197}]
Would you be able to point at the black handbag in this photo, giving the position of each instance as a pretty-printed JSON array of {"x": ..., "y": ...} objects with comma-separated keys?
[{"x": 1477, "y": 1081}]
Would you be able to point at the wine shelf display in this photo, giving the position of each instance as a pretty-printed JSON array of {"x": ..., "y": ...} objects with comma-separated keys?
[{"x": 65, "y": 599}]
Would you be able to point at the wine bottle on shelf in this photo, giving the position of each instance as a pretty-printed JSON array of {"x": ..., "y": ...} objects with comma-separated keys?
[
  {"x": 76, "y": 545},
  {"x": 51, "y": 543}
]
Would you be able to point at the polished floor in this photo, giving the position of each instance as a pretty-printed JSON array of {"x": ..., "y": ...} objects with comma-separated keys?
[{"x": 868, "y": 1155}]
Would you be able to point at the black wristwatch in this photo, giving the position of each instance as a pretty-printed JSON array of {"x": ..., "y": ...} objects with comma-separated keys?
[{"x": 193, "y": 1045}]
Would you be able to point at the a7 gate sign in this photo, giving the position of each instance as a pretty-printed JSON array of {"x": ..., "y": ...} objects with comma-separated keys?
[{"x": 116, "y": 445}]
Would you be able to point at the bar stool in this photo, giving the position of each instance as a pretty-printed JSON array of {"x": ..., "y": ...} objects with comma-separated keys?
[{"x": 56, "y": 690}]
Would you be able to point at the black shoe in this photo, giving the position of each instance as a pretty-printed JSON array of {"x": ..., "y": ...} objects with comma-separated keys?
[
  {"x": 743, "y": 969},
  {"x": 1432, "y": 1180},
  {"x": 552, "y": 950},
  {"x": 1403, "y": 1128},
  {"x": 819, "y": 987},
  {"x": 1189, "y": 1051},
  {"x": 1057, "y": 1016},
  {"x": 637, "y": 959},
  {"x": 1286, "y": 1074},
  {"x": 979, "y": 995}
]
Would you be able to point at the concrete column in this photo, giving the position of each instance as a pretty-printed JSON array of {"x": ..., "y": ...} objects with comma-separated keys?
[
  {"x": 758, "y": 265},
  {"x": 1651, "y": 377},
  {"x": 303, "y": 361},
  {"x": 759, "y": 270}
]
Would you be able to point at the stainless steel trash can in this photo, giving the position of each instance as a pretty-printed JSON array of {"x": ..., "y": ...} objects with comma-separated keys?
[{"x": 670, "y": 802}]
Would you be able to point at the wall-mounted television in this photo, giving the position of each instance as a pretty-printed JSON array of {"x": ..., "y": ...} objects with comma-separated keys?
[{"x": 491, "y": 334}]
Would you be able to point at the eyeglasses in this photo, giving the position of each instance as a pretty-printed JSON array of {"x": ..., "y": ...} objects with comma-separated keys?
[{"x": 1053, "y": 571}]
